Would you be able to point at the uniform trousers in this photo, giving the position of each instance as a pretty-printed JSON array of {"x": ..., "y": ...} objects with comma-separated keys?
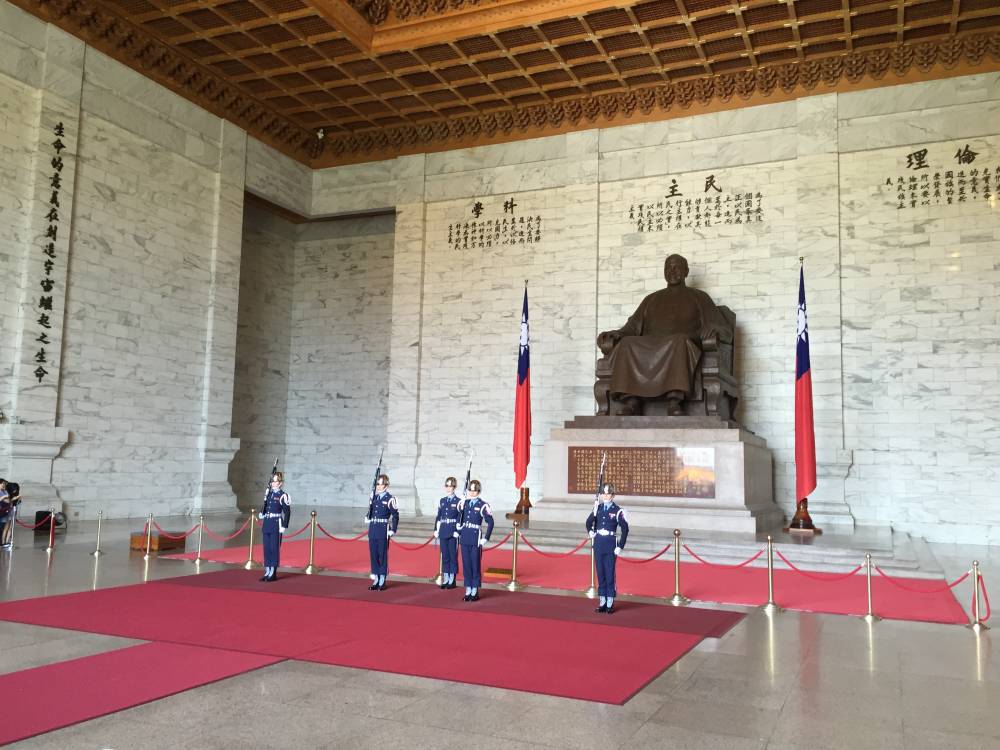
[
  {"x": 472, "y": 557},
  {"x": 449, "y": 555},
  {"x": 378, "y": 550}
]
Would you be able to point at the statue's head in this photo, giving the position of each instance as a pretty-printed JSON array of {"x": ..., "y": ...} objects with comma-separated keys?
[{"x": 675, "y": 270}]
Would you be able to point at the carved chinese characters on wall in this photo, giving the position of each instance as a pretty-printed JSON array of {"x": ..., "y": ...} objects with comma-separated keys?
[
  {"x": 46, "y": 283},
  {"x": 649, "y": 472},
  {"x": 502, "y": 225},
  {"x": 696, "y": 206},
  {"x": 942, "y": 176}
]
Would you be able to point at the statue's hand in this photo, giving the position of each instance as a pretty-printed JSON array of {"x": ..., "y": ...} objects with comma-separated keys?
[{"x": 608, "y": 341}]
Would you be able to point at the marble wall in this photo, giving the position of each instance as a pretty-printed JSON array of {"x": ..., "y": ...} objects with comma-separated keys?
[{"x": 260, "y": 403}]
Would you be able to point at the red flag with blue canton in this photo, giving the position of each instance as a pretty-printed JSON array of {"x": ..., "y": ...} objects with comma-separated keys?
[
  {"x": 805, "y": 436},
  {"x": 522, "y": 402}
]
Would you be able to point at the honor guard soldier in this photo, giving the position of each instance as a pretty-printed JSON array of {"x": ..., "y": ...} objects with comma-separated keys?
[
  {"x": 604, "y": 524},
  {"x": 474, "y": 513},
  {"x": 382, "y": 520},
  {"x": 446, "y": 532},
  {"x": 274, "y": 516}
]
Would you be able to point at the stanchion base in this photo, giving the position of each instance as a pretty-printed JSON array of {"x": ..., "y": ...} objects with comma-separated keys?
[
  {"x": 514, "y": 586},
  {"x": 771, "y": 608},
  {"x": 437, "y": 580},
  {"x": 679, "y": 600},
  {"x": 978, "y": 627},
  {"x": 870, "y": 618},
  {"x": 96, "y": 553},
  {"x": 250, "y": 565},
  {"x": 198, "y": 561},
  {"x": 49, "y": 550},
  {"x": 310, "y": 570},
  {"x": 590, "y": 593}
]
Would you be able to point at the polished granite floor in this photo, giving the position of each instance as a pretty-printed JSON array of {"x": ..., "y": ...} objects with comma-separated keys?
[{"x": 790, "y": 680}]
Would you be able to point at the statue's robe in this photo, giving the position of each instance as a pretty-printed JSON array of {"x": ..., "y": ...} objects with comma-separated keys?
[{"x": 661, "y": 343}]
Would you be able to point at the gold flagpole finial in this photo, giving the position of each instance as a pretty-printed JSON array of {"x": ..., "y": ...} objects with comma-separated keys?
[{"x": 801, "y": 258}]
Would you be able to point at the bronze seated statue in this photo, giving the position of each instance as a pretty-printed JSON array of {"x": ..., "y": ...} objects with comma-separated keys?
[{"x": 673, "y": 357}]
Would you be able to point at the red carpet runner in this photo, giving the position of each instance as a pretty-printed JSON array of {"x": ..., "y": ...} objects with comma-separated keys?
[
  {"x": 57, "y": 695},
  {"x": 350, "y": 626},
  {"x": 820, "y": 592}
]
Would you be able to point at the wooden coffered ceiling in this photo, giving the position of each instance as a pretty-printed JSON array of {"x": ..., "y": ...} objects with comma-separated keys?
[{"x": 386, "y": 77}]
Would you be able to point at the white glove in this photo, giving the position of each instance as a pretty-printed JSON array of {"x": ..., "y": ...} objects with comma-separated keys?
[
  {"x": 391, "y": 532},
  {"x": 435, "y": 533},
  {"x": 455, "y": 535},
  {"x": 618, "y": 551},
  {"x": 367, "y": 519},
  {"x": 592, "y": 534},
  {"x": 482, "y": 541},
  {"x": 281, "y": 529}
]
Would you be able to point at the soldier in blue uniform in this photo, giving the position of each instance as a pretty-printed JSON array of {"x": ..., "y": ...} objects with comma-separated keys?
[
  {"x": 382, "y": 520},
  {"x": 474, "y": 513},
  {"x": 274, "y": 516},
  {"x": 604, "y": 523},
  {"x": 446, "y": 532}
]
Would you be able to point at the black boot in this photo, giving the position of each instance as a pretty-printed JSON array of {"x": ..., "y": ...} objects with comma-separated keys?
[{"x": 602, "y": 609}]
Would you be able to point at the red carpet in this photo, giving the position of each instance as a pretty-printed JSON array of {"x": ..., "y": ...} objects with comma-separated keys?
[
  {"x": 710, "y": 623},
  {"x": 58, "y": 695},
  {"x": 698, "y": 581},
  {"x": 534, "y": 653}
]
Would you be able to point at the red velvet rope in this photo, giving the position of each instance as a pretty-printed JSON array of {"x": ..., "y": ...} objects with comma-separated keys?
[
  {"x": 338, "y": 539},
  {"x": 546, "y": 554},
  {"x": 825, "y": 577},
  {"x": 219, "y": 538},
  {"x": 33, "y": 526},
  {"x": 412, "y": 547},
  {"x": 168, "y": 535},
  {"x": 292, "y": 536},
  {"x": 647, "y": 559},
  {"x": 913, "y": 590},
  {"x": 703, "y": 561},
  {"x": 500, "y": 543}
]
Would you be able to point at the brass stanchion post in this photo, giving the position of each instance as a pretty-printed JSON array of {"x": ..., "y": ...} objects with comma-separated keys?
[
  {"x": 52, "y": 531},
  {"x": 977, "y": 624},
  {"x": 678, "y": 599},
  {"x": 201, "y": 532},
  {"x": 870, "y": 615},
  {"x": 514, "y": 585},
  {"x": 149, "y": 536},
  {"x": 249, "y": 563},
  {"x": 97, "y": 550},
  {"x": 311, "y": 567},
  {"x": 592, "y": 591},
  {"x": 770, "y": 607}
]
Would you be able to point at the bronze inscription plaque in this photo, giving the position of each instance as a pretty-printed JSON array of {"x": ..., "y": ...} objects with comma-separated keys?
[{"x": 651, "y": 472}]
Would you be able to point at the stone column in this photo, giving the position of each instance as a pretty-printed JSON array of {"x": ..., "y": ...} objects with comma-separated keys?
[
  {"x": 217, "y": 445},
  {"x": 32, "y": 439},
  {"x": 402, "y": 447},
  {"x": 817, "y": 188}
]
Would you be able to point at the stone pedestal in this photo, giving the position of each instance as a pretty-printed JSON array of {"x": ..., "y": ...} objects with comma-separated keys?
[
  {"x": 742, "y": 499},
  {"x": 32, "y": 448},
  {"x": 216, "y": 495}
]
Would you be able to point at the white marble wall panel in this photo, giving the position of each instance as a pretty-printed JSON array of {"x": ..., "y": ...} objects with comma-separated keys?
[
  {"x": 339, "y": 358},
  {"x": 922, "y": 341},
  {"x": 133, "y": 359},
  {"x": 278, "y": 178},
  {"x": 469, "y": 337},
  {"x": 263, "y": 340},
  {"x": 22, "y": 45},
  {"x": 18, "y": 138},
  {"x": 357, "y": 187}
]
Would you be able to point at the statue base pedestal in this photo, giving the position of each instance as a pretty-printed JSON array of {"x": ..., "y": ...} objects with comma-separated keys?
[{"x": 689, "y": 473}]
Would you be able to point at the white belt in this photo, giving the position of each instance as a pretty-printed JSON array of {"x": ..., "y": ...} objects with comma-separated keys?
[
  {"x": 271, "y": 515},
  {"x": 604, "y": 532},
  {"x": 379, "y": 520},
  {"x": 453, "y": 520}
]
